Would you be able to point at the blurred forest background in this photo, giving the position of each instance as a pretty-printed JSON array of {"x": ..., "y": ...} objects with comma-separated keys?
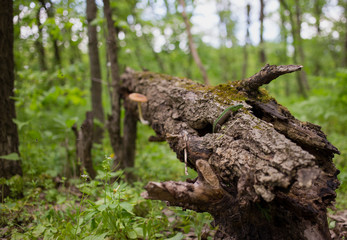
[{"x": 54, "y": 89}]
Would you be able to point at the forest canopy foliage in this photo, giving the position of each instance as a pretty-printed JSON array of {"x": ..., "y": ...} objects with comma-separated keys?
[{"x": 52, "y": 93}]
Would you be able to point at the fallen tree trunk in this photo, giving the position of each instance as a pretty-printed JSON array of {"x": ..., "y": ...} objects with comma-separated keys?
[{"x": 262, "y": 174}]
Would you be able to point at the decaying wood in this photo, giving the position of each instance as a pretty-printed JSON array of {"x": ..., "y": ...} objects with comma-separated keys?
[
  {"x": 262, "y": 175},
  {"x": 84, "y": 144}
]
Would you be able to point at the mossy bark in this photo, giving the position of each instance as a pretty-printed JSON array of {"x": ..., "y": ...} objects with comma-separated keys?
[{"x": 262, "y": 174}]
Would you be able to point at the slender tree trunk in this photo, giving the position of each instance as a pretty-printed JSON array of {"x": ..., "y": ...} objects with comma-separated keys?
[
  {"x": 50, "y": 14},
  {"x": 124, "y": 148},
  {"x": 318, "y": 5},
  {"x": 39, "y": 43},
  {"x": 299, "y": 44},
  {"x": 192, "y": 47},
  {"x": 261, "y": 44},
  {"x": 225, "y": 35},
  {"x": 299, "y": 77},
  {"x": 8, "y": 129},
  {"x": 114, "y": 121},
  {"x": 344, "y": 57},
  {"x": 284, "y": 38},
  {"x": 157, "y": 57},
  {"x": 247, "y": 41},
  {"x": 95, "y": 71}
]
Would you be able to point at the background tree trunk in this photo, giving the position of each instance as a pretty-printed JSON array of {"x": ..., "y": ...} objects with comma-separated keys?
[
  {"x": 8, "y": 129},
  {"x": 39, "y": 43},
  {"x": 261, "y": 43},
  {"x": 299, "y": 48},
  {"x": 50, "y": 14},
  {"x": 192, "y": 47},
  {"x": 226, "y": 35},
  {"x": 84, "y": 144},
  {"x": 124, "y": 149},
  {"x": 113, "y": 124},
  {"x": 247, "y": 41},
  {"x": 258, "y": 180},
  {"x": 284, "y": 39},
  {"x": 95, "y": 72},
  {"x": 299, "y": 77},
  {"x": 343, "y": 4}
]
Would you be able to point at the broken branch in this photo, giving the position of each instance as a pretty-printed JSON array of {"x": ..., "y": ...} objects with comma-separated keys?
[{"x": 266, "y": 75}]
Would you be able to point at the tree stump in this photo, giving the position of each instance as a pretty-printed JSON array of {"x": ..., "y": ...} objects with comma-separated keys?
[
  {"x": 262, "y": 174},
  {"x": 84, "y": 144}
]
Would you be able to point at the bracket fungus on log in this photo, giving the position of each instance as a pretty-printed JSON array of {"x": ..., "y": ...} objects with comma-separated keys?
[{"x": 262, "y": 173}]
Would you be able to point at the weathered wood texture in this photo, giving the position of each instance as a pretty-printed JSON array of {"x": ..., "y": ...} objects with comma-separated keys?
[{"x": 262, "y": 175}]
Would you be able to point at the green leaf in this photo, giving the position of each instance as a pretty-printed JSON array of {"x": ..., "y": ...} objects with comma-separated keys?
[
  {"x": 102, "y": 207},
  {"x": 96, "y": 237},
  {"x": 11, "y": 156},
  {"x": 127, "y": 206},
  {"x": 19, "y": 123},
  {"x": 39, "y": 230},
  {"x": 139, "y": 232},
  {"x": 70, "y": 122},
  {"x": 132, "y": 234},
  {"x": 178, "y": 236}
]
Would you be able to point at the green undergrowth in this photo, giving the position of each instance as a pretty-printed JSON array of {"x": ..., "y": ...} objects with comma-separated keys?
[
  {"x": 80, "y": 208},
  {"x": 73, "y": 207}
]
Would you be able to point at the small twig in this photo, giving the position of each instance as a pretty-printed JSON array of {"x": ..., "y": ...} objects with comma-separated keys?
[
  {"x": 185, "y": 139},
  {"x": 266, "y": 75}
]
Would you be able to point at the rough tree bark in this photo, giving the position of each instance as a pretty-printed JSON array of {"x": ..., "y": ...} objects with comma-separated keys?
[
  {"x": 192, "y": 47},
  {"x": 8, "y": 129},
  {"x": 95, "y": 71},
  {"x": 84, "y": 144},
  {"x": 262, "y": 174}
]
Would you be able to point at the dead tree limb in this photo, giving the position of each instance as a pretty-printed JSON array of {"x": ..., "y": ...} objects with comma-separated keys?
[
  {"x": 262, "y": 174},
  {"x": 266, "y": 75}
]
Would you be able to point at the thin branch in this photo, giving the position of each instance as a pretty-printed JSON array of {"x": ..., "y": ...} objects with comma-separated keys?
[{"x": 266, "y": 75}]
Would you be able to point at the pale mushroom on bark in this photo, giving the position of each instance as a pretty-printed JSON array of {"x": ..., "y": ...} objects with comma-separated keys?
[{"x": 139, "y": 98}]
